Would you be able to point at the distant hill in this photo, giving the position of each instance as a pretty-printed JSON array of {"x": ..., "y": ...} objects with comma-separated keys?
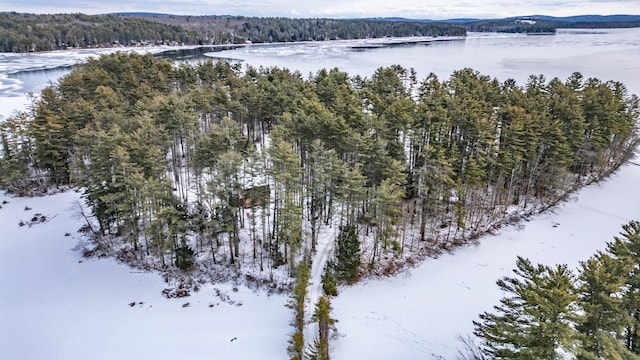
[
  {"x": 30, "y": 32},
  {"x": 590, "y": 18},
  {"x": 611, "y": 21},
  {"x": 549, "y": 24},
  {"x": 450, "y": 21},
  {"x": 535, "y": 23}
]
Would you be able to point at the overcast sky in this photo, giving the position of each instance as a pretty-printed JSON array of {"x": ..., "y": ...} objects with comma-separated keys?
[{"x": 431, "y": 9}]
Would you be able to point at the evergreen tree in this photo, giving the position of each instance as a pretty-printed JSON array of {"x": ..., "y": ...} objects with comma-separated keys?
[
  {"x": 296, "y": 303},
  {"x": 347, "y": 253},
  {"x": 625, "y": 249},
  {"x": 286, "y": 175},
  {"x": 329, "y": 283},
  {"x": 604, "y": 319},
  {"x": 534, "y": 320},
  {"x": 322, "y": 314},
  {"x": 16, "y": 154}
]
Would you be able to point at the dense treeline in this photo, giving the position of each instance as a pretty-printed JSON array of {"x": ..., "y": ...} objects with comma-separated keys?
[
  {"x": 286, "y": 29},
  {"x": 30, "y": 32},
  {"x": 514, "y": 26},
  {"x": 249, "y": 167},
  {"x": 235, "y": 29},
  {"x": 534, "y": 25},
  {"x": 598, "y": 25},
  {"x": 552, "y": 313}
]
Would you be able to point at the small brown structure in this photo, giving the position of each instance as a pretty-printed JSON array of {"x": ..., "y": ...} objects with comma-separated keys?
[{"x": 255, "y": 196}]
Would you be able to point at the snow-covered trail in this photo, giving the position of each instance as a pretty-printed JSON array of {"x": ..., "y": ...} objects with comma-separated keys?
[
  {"x": 420, "y": 313},
  {"x": 324, "y": 251}
]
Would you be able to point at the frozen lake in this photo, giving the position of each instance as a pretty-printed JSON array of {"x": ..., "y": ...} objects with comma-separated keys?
[{"x": 609, "y": 54}]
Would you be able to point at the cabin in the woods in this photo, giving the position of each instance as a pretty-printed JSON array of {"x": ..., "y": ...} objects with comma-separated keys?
[{"x": 255, "y": 196}]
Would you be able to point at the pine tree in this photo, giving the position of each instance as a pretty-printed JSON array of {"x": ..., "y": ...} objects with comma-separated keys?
[
  {"x": 16, "y": 154},
  {"x": 534, "y": 320},
  {"x": 626, "y": 250},
  {"x": 347, "y": 253},
  {"x": 603, "y": 317},
  {"x": 322, "y": 314},
  {"x": 386, "y": 213},
  {"x": 296, "y": 303},
  {"x": 286, "y": 174},
  {"x": 328, "y": 279}
]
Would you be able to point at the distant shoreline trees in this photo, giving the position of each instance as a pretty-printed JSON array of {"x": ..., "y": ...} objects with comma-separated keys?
[
  {"x": 215, "y": 164},
  {"x": 29, "y": 32}
]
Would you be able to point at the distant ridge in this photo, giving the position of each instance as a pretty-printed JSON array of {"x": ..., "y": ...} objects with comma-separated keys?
[
  {"x": 143, "y": 14},
  {"x": 589, "y": 18},
  {"x": 157, "y": 15},
  {"x": 531, "y": 24},
  {"x": 569, "y": 19},
  {"x": 451, "y": 21}
]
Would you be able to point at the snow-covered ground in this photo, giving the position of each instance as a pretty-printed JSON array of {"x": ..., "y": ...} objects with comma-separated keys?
[
  {"x": 54, "y": 304},
  {"x": 420, "y": 313}
]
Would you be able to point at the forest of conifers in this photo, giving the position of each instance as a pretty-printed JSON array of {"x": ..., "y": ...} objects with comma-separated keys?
[
  {"x": 30, "y": 32},
  {"x": 215, "y": 163}
]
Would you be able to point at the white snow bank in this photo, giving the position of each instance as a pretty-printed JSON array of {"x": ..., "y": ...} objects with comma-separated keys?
[
  {"x": 420, "y": 313},
  {"x": 56, "y": 305},
  {"x": 10, "y": 105}
]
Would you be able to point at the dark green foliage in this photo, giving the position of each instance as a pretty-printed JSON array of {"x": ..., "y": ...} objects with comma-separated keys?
[
  {"x": 602, "y": 324},
  {"x": 548, "y": 25},
  {"x": 347, "y": 254},
  {"x": 16, "y": 147},
  {"x": 329, "y": 283},
  {"x": 184, "y": 257},
  {"x": 286, "y": 29},
  {"x": 148, "y": 142},
  {"x": 550, "y": 315},
  {"x": 534, "y": 320},
  {"x": 296, "y": 303},
  {"x": 514, "y": 26},
  {"x": 30, "y": 32},
  {"x": 322, "y": 314},
  {"x": 625, "y": 250}
]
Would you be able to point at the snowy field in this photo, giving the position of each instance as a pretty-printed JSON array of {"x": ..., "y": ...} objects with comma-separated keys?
[{"x": 56, "y": 305}]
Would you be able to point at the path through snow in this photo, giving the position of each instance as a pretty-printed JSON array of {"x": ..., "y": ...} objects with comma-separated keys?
[{"x": 324, "y": 251}]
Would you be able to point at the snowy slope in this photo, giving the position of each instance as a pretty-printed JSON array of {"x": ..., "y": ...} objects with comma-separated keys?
[
  {"x": 420, "y": 313},
  {"x": 56, "y": 305},
  {"x": 9, "y": 105}
]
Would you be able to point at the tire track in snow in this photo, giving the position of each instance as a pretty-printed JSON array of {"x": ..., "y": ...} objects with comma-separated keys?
[{"x": 315, "y": 290}]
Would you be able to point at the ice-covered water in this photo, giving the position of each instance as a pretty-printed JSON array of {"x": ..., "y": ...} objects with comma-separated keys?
[
  {"x": 31, "y": 72},
  {"x": 608, "y": 54}
]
